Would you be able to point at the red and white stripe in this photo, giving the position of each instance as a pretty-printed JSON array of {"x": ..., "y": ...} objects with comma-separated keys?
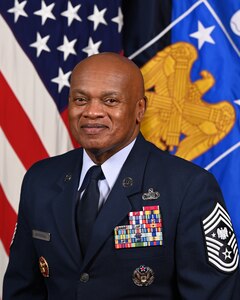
[{"x": 31, "y": 128}]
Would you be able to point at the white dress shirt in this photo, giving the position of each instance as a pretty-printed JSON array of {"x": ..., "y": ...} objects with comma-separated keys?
[{"x": 111, "y": 169}]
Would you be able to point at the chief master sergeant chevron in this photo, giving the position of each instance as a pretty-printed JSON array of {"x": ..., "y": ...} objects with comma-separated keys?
[{"x": 161, "y": 231}]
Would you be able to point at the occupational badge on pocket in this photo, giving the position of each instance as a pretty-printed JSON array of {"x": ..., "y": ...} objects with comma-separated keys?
[
  {"x": 143, "y": 276},
  {"x": 150, "y": 195},
  {"x": 221, "y": 244}
]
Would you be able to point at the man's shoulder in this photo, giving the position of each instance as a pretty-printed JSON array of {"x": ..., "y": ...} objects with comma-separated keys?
[
  {"x": 58, "y": 162},
  {"x": 163, "y": 159},
  {"x": 169, "y": 162}
]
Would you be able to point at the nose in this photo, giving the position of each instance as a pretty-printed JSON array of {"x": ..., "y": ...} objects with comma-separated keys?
[{"x": 93, "y": 109}]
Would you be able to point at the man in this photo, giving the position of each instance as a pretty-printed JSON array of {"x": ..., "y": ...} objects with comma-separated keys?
[{"x": 162, "y": 230}]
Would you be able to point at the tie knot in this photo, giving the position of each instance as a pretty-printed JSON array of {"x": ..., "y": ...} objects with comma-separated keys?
[{"x": 95, "y": 172}]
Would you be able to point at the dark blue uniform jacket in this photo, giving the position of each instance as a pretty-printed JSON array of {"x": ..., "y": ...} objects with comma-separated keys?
[{"x": 181, "y": 268}]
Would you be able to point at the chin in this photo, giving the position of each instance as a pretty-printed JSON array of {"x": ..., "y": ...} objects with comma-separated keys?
[{"x": 94, "y": 148}]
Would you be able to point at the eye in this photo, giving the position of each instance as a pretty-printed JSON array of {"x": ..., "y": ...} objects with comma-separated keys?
[
  {"x": 80, "y": 100},
  {"x": 111, "y": 101}
]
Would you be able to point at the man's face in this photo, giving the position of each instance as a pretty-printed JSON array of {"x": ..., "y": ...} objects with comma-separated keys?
[{"x": 104, "y": 109}]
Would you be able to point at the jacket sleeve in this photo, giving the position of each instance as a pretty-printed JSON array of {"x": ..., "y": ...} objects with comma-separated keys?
[
  {"x": 23, "y": 280},
  {"x": 206, "y": 247}
]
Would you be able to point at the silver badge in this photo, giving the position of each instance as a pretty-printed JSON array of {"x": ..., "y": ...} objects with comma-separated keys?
[
  {"x": 151, "y": 195},
  {"x": 221, "y": 244},
  {"x": 143, "y": 276}
]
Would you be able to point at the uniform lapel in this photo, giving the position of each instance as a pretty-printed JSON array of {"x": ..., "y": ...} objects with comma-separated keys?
[
  {"x": 118, "y": 204},
  {"x": 64, "y": 206}
]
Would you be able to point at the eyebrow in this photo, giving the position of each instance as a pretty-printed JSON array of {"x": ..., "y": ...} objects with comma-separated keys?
[{"x": 103, "y": 94}]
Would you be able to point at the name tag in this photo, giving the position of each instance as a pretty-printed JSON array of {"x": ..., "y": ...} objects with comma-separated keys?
[
  {"x": 144, "y": 229},
  {"x": 41, "y": 235}
]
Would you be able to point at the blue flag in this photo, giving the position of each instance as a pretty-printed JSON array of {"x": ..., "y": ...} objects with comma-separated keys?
[
  {"x": 209, "y": 33},
  {"x": 191, "y": 67}
]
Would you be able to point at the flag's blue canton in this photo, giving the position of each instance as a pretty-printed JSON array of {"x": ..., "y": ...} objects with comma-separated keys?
[
  {"x": 58, "y": 34},
  {"x": 213, "y": 27}
]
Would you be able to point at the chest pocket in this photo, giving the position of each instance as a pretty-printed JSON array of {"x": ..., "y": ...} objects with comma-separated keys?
[{"x": 136, "y": 253}]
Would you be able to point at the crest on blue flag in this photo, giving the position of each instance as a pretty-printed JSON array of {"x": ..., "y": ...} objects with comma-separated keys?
[
  {"x": 213, "y": 28},
  {"x": 194, "y": 92}
]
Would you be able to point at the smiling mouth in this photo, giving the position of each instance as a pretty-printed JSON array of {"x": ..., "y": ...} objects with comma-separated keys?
[{"x": 93, "y": 128}]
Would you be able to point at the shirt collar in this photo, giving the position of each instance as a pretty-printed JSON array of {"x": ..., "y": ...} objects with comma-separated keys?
[{"x": 111, "y": 167}]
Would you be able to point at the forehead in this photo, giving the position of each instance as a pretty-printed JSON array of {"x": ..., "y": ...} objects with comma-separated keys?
[{"x": 100, "y": 76}]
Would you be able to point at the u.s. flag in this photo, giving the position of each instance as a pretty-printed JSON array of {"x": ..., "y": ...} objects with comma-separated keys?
[{"x": 41, "y": 41}]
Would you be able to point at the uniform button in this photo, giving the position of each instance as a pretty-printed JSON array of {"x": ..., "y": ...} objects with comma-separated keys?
[{"x": 84, "y": 277}]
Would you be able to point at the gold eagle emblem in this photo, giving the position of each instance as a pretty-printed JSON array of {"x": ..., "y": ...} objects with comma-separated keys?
[{"x": 177, "y": 118}]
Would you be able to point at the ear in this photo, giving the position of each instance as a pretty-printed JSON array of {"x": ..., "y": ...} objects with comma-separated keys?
[{"x": 142, "y": 103}]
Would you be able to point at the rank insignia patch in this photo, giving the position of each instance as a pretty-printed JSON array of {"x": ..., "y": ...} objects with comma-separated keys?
[
  {"x": 144, "y": 229},
  {"x": 143, "y": 276},
  {"x": 221, "y": 244}
]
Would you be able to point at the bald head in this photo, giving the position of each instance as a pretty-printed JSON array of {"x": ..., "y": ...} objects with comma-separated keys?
[
  {"x": 106, "y": 104},
  {"x": 112, "y": 61}
]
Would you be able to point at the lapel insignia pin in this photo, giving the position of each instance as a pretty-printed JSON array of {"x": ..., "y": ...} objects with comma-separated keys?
[
  {"x": 143, "y": 276},
  {"x": 221, "y": 243},
  {"x": 68, "y": 177},
  {"x": 127, "y": 182},
  {"x": 151, "y": 195},
  {"x": 43, "y": 265}
]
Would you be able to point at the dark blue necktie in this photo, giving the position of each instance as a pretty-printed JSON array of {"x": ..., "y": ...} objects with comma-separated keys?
[{"x": 87, "y": 209}]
